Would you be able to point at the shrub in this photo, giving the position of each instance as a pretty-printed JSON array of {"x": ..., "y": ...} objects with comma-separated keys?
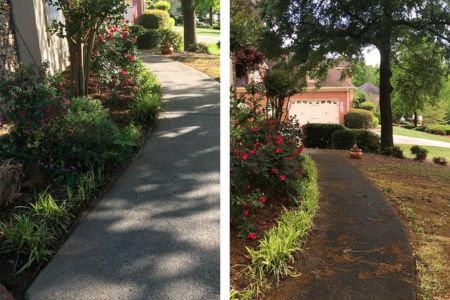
[
  {"x": 149, "y": 40},
  {"x": 370, "y": 106},
  {"x": 395, "y": 151},
  {"x": 407, "y": 126},
  {"x": 438, "y": 129},
  {"x": 155, "y": 19},
  {"x": 342, "y": 139},
  {"x": 359, "y": 119},
  {"x": 171, "y": 23},
  {"x": 137, "y": 30},
  {"x": 162, "y": 5},
  {"x": 377, "y": 114},
  {"x": 440, "y": 161},
  {"x": 420, "y": 128},
  {"x": 85, "y": 139},
  {"x": 375, "y": 122},
  {"x": 33, "y": 100},
  {"x": 319, "y": 135},
  {"x": 368, "y": 141},
  {"x": 174, "y": 38},
  {"x": 198, "y": 48},
  {"x": 419, "y": 152},
  {"x": 216, "y": 26}
]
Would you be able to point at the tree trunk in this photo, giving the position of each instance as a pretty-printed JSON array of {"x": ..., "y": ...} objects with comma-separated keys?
[
  {"x": 211, "y": 19},
  {"x": 387, "y": 140},
  {"x": 415, "y": 119},
  {"x": 189, "y": 23},
  {"x": 87, "y": 61}
]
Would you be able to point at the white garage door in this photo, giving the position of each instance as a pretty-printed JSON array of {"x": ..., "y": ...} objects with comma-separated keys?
[{"x": 315, "y": 111}]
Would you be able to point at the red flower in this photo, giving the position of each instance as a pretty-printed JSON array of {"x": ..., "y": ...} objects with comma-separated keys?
[
  {"x": 257, "y": 144},
  {"x": 252, "y": 152},
  {"x": 124, "y": 35},
  {"x": 244, "y": 156},
  {"x": 300, "y": 149},
  {"x": 274, "y": 170},
  {"x": 289, "y": 158},
  {"x": 282, "y": 177},
  {"x": 251, "y": 236},
  {"x": 246, "y": 213},
  {"x": 131, "y": 57},
  {"x": 255, "y": 129},
  {"x": 278, "y": 150},
  {"x": 280, "y": 140},
  {"x": 263, "y": 200},
  {"x": 123, "y": 72},
  {"x": 244, "y": 205}
]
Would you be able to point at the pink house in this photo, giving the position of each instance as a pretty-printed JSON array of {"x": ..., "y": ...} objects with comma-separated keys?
[{"x": 135, "y": 10}]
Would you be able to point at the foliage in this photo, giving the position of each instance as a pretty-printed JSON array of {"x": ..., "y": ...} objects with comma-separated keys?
[
  {"x": 204, "y": 6},
  {"x": 359, "y": 118},
  {"x": 198, "y": 48},
  {"x": 276, "y": 250},
  {"x": 136, "y": 30},
  {"x": 395, "y": 151},
  {"x": 362, "y": 73},
  {"x": 246, "y": 60},
  {"x": 366, "y": 140},
  {"x": 172, "y": 37},
  {"x": 434, "y": 114},
  {"x": 33, "y": 99},
  {"x": 155, "y": 19},
  {"x": 82, "y": 19},
  {"x": 440, "y": 161},
  {"x": 375, "y": 122},
  {"x": 342, "y": 139},
  {"x": 147, "y": 101},
  {"x": 438, "y": 129},
  {"x": 114, "y": 52},
  {"x": 319, "y": 135},
  {"x": 26, "y": 238},
  {"x": 161, "y": 5},
  {"x": 370, "y": 106},
  {"x": 245, "y": 26},
  {"x": 419, "y": 152},
  {"x": 150, "y": 39},
  {"x": 11, "y": 175},
  {"x": 339, "y": 30}
]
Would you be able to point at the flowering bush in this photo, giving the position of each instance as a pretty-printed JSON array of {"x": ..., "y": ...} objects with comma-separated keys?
[
  {"x": 33, "y": 99},
  {"x": 265, "y": 160},
  {"x": 247, "y": 59},
  {"x": 114, "y": 52}
]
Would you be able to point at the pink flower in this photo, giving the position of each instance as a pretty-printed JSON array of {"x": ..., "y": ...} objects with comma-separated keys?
[
  {"x": 274, "y": 170},
  {"x": 263, "y": 200},
  {"x": 278, "y": 150},
  {"x": 131, "y": 57},
  {"x": 289, "y": 158},
  {"x": 244, "y": 205},
  {"x": 246, "y": 213},
  {"x": 244, "y": 156},
  {"x": 251, "y": 236},
  {"x": 255, "y": 129},
  {"x": 282, "y": 177},
  {"x": 123, "y": 72}
]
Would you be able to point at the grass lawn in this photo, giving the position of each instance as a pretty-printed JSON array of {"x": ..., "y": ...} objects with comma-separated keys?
[
  {"x": 200, "y": 31},
  {"x": 213, "y": 49},
  {"x": 420, "y": 194},
  {"x": 419, "y": 134},
  {"x": 432, "y": 152}
]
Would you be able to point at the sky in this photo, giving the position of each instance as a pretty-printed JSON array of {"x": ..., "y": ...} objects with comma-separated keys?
[{"x": 371, "y": 56}]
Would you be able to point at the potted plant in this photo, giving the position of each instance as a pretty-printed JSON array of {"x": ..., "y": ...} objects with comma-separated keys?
[
  {"x": 166, "y": 49},
  {"x": 355, "y": 152}
]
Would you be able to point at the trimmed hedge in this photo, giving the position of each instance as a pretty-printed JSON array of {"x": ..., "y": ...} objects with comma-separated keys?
[
  {"x": 162, "y": 5},
  {"x": 419, "y": 152},
  {"x": 149, "y": 40},
  {"x": 370, "y": 106},
  {"x": 438, "y": 129},
  {"x": 174, "y": 38},
  {"x": 368, "y": 141},
  {"x": 155, "y": 19},
  {"x": 359, "y": 119},
  {"x": 319, "y": 135},
  {"x": 342, "y": 139}
]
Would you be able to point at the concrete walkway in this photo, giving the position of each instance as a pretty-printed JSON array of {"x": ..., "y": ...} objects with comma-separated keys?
[
  {"x": 155, "y": 235},
  {"x": 359, "y": 249}
]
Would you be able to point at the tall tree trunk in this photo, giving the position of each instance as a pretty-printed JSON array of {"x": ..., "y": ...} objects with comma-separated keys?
[
  {"x": 87, "y": 61},
  {"x": 81, "y": 58},
  {"x": 415, "y": 119},
  {"x": 73, "y": 57},
  {"x": 387, "y": 139},
  {"x": 189, "y": 23},
  {"x": 211, "y": 19}
]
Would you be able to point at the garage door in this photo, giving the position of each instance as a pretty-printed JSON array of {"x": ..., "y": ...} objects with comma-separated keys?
[{"x": 315, "y": 111}]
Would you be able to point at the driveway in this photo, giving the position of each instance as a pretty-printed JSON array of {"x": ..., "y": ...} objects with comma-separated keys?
[{"x": 155, "y": 234}]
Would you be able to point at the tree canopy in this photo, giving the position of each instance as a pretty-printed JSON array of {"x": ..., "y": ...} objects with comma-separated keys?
[{"x": 316, "y": 33}]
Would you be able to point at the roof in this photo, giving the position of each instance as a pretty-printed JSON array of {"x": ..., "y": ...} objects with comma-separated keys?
[
  {"x": 333, "y": 80},
  {"x": 369, "y": 88}
]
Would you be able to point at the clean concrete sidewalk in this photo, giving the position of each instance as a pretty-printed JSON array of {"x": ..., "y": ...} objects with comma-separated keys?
[{"x": 155, "y": 235}]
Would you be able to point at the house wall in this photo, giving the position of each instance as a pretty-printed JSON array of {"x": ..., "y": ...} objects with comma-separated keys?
[
  {"x": 9, "y": 57},
  {"x": 36, "y": 44}
]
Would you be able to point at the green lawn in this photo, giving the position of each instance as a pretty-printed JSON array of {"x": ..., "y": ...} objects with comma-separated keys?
[
  {"x": 419, "y": 134},
  {"x": 432, "y": 152},
  {"x": 200, "y": 31},
  {"x": 213, "y": 49}
]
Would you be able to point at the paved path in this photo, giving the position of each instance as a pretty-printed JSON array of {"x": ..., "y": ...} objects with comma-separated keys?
[
  {"x": 155, "y": 235},
  {"x": 359, "y": 249}
]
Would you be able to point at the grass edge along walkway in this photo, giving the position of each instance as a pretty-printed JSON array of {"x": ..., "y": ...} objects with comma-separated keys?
[{"x": 276, "y": 250}]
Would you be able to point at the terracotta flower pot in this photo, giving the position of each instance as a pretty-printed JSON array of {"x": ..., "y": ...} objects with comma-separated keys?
[
  {"x": 356, "y": 154},
  {"x": 166, "y": 49}
]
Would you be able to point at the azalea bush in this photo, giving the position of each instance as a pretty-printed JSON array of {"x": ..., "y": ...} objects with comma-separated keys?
[
  {"x": 265, "y": 161},
  {"x": 114, "y": 52}
]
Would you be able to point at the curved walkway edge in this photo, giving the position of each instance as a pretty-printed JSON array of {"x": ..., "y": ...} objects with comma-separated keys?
[
  {"x": 155, "y": 234},
  {"x": 359, "y": 249}
]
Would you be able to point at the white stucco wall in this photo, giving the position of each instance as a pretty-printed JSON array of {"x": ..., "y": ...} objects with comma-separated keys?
[{"x": 36, "y": 45}]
